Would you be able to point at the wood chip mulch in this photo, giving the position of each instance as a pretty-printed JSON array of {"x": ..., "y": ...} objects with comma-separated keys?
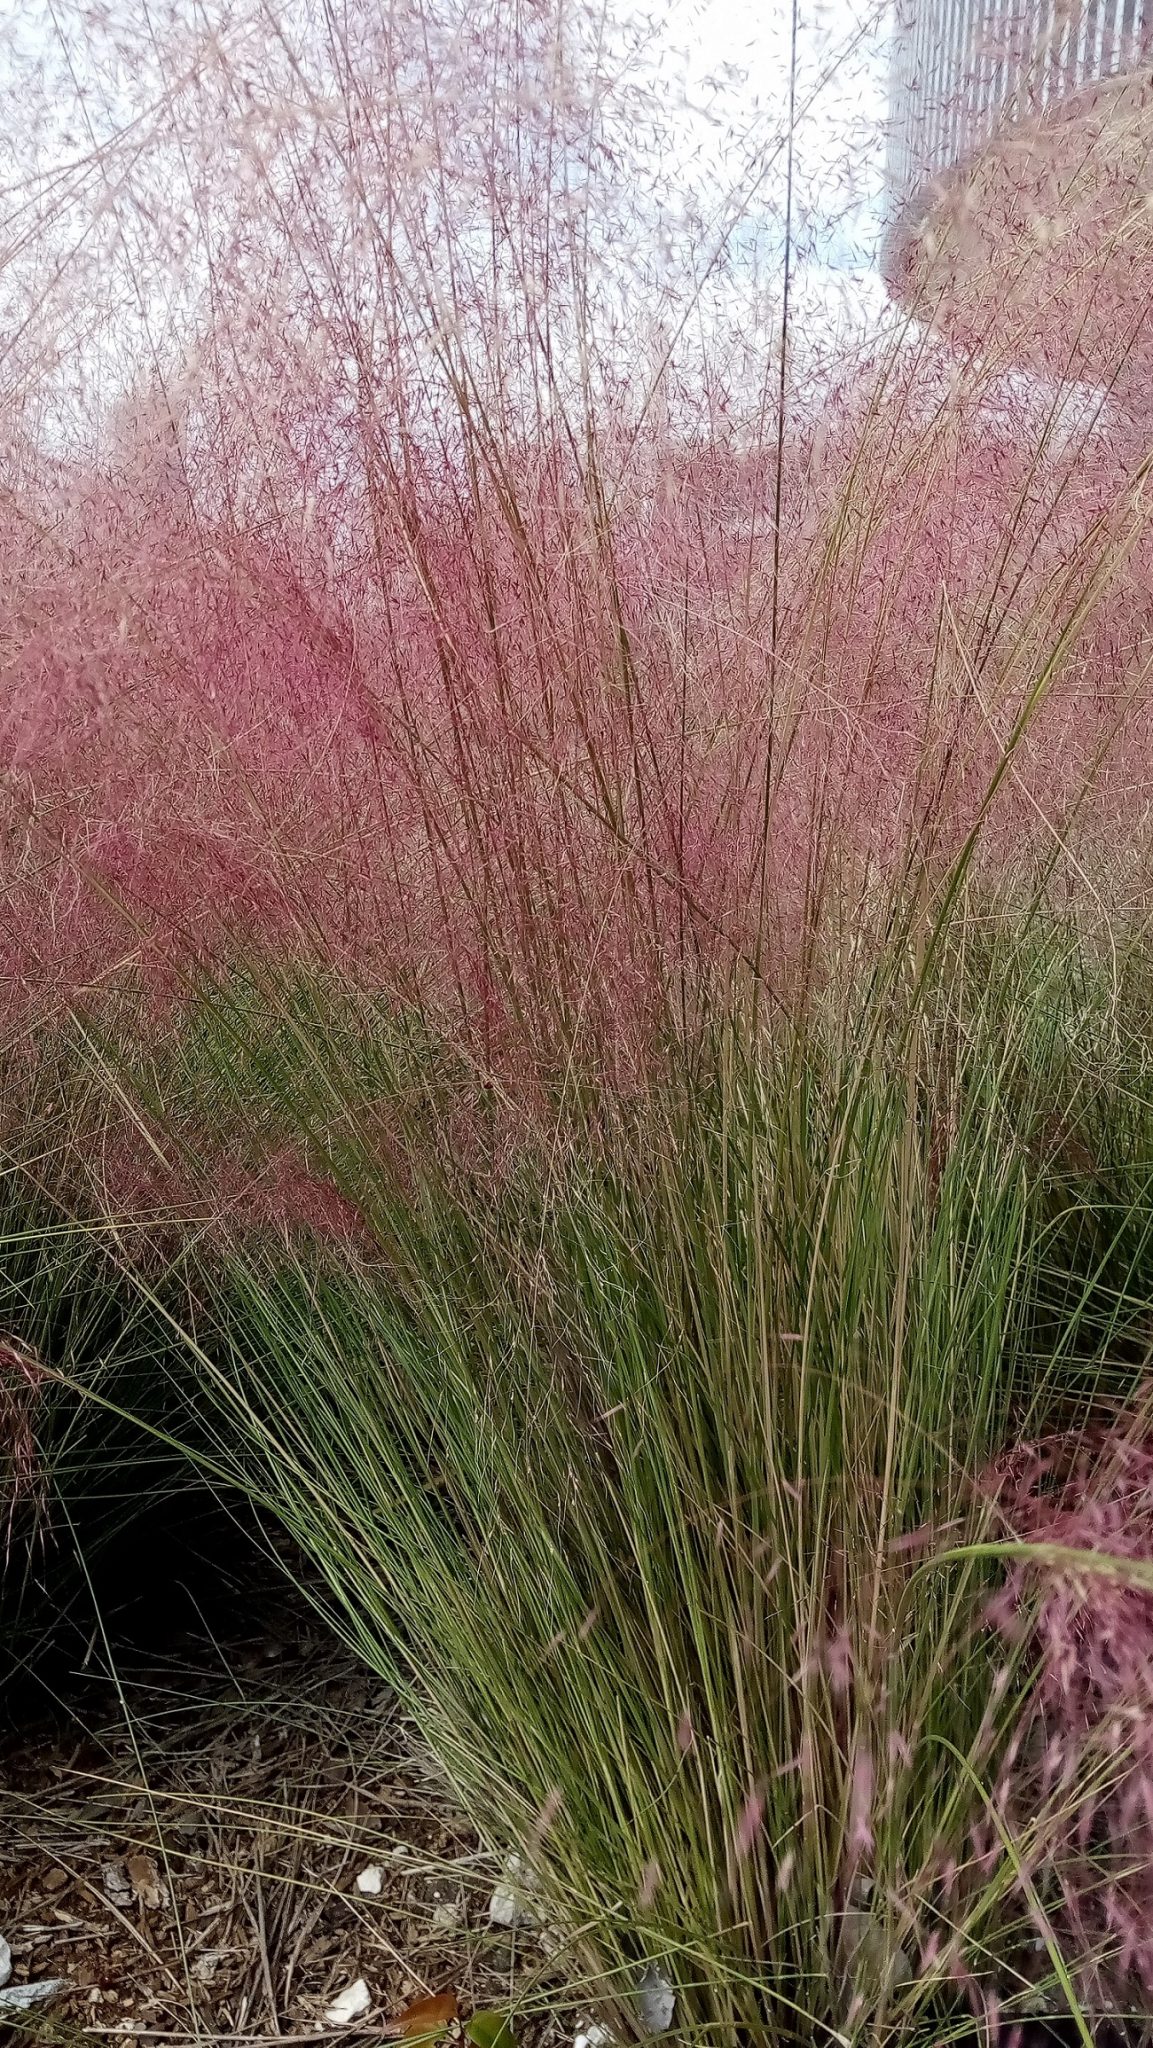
[{"x": 185, "y": 1855}]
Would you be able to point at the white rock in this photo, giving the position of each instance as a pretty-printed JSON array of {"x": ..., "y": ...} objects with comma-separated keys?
[
  {"x": 5, "y": 1961},
  {"x": 504, "y": 1908},
  {"x": 370, "y": 1879},
  {"x": 350, "y": 2004},
  {"x": 591, "y": 2034},
  {"x": 18, "y": 1997},
  {"x": 508, "y": 1906},
  {"x": 656, "y": 2001}
]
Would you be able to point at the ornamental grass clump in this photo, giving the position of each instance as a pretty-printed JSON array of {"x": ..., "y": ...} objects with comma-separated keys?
[
  {"x": 639, "y": 1438},
  {"x": 593, "y": 878},
  {"x": 1079, "y": 1594}
]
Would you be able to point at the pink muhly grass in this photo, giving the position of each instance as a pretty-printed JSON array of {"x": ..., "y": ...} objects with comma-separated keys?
[
  {"x": 535, "y": 691},
  {"x": 749, "y": 1826},
  {"x": 21, "y": 1386},
  {"x": 1084, "y": 1755},
  {"x": 477, "y": 797},
  {"x": 859, "y": 1837}
]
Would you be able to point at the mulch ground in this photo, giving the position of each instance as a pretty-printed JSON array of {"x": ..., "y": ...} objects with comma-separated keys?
[{"x": 183, "y": 1850}]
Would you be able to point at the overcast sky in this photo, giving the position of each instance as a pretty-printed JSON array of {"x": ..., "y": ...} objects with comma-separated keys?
[{"x": 734, "y": 59}]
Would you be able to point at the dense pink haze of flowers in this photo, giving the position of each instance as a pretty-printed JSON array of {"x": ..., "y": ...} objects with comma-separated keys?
[
  {"x": 436, "y": 604},
  {"x": 528, "y": 750}
]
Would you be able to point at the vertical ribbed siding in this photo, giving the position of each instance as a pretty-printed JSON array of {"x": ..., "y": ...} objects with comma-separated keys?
[{"x": 959, "y": 67}]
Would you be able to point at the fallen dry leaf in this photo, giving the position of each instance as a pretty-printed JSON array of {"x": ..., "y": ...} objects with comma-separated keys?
[
  {"x": 427, "y": 2016},
  {"x": 144, "y": 1878}
]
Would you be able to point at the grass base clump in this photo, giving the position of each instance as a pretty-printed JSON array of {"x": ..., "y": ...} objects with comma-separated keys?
[{"x": 646, "y": 1446}]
